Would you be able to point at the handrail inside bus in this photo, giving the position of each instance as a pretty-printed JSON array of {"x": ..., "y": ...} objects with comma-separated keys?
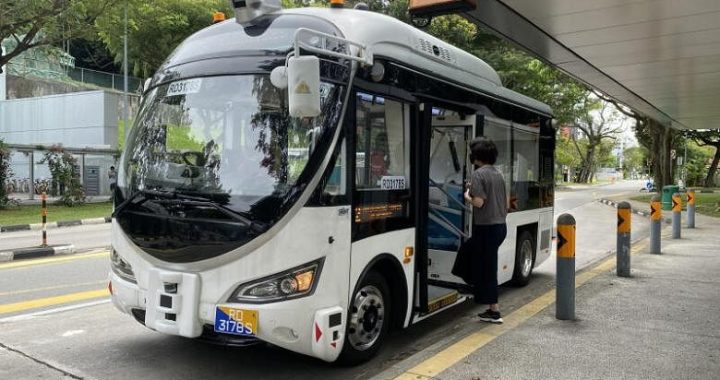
[
  {"x": 438, "y": 218},
  {"x": 462, "y": 205}
]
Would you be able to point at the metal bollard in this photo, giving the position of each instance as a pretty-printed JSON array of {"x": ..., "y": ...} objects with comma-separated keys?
[
  {"x": 44, "y": 219},
  {"x": 565, "y": 269},
  {"x": 655, "y": 224},
  {"x": 691, "y": 209},
  {"x": 676, "y": 215},
  {"x": 623, "y": 239}
]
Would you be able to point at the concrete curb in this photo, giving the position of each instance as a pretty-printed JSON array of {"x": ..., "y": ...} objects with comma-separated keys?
[
  {"x": 35, "y": 252},
  {"x": 52, "y": 225},
  {"x": 634, "y": 210}
]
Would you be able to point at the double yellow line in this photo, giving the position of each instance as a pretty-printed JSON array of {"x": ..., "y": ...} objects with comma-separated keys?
[
  {"x": 52, "y": 301},
  {"x": 56, "y": 300},
  {"x": 51, "y": 260}
]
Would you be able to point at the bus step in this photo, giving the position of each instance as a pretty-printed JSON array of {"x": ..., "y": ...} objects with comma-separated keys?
[{"x": 439, "y": 297}]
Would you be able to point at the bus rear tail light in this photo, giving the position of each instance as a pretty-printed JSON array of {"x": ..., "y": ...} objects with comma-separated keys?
[{"x": 292, "y": 283}]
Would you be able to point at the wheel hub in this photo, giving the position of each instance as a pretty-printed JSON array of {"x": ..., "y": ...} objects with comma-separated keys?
[
  {"x": 527, "y": 258},
  {"x": 366, "y": 318}
]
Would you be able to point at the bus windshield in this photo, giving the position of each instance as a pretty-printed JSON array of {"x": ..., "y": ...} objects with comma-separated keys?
[{"x": 227, "y": 139}]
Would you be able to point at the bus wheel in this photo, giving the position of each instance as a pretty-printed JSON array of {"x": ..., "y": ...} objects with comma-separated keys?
[
  {"x": 368, "y": 320},
  {"x": 524, "y": 259}
]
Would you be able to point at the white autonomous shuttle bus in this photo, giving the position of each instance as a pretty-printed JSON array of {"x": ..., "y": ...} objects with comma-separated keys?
[{"x": 296, "y": 177}]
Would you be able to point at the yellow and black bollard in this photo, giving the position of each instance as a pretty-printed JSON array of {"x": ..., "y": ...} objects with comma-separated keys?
[
  {"x": 623, "y": 239},
  {"x": 676, "y": 215},
  {"x": 565, "y": 268},
  {"x": 655, "y": 224},
  {"x": 44, "y": 219},
  {"x": 690, "y": 208}
]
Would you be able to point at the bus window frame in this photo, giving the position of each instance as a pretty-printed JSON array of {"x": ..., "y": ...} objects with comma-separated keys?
[{"x": 362, "y": 229}]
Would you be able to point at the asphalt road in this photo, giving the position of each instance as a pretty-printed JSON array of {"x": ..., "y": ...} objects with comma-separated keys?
[
  {"x": 596, "y": 232},
  {"x": 55, "y": 321}
]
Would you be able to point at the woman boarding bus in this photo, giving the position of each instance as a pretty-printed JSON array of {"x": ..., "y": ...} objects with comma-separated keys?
[{"x": 248, "y": 205}]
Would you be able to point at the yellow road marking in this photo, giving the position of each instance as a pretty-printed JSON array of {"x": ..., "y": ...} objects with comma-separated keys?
[
  {"x": 448, "y": 357},
  {"x": 16, "y": 292},
  {"x": 50, "y": 301},
  {"x": 51, "y": 260}
]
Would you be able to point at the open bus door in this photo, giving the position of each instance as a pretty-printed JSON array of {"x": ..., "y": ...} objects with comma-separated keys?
[{"x": 443, "y": 220}]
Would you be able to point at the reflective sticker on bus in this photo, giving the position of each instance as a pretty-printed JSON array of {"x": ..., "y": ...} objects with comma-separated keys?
[{"x": 183, "y": 87}]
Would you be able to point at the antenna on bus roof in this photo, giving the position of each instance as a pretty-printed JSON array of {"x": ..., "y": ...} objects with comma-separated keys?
[{"x": 247, "y": 11}]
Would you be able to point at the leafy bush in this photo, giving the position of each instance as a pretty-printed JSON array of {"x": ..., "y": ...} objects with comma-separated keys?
[
  {"x": 65, "y": 176},
  {"x": 5, "y": 174}
]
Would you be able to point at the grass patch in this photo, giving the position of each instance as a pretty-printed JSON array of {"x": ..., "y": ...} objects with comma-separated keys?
[
  {"x": 643, "y": 198},
  {"x": 30, "y": 214},
  {"x": 705, "y": 203}
]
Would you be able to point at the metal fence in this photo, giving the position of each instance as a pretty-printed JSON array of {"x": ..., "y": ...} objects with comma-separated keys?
[{"x": 103, "y": 79}]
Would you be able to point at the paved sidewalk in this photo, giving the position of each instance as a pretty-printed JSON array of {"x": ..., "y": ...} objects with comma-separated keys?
[{"x": 663, "y": 323}]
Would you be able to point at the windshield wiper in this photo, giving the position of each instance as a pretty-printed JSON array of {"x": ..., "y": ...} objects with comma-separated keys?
[
  {"x": 126, "y": 202},
  {"x": 183, "y": 198}
]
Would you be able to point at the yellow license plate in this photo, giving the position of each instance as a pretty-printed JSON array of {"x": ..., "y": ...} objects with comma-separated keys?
[{"x": 229, "y": 320}]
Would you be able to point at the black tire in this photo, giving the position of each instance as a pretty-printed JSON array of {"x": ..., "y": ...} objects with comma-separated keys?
[
  {"x": 370, "y": 313},
  {"x": 524, "y": 259}
]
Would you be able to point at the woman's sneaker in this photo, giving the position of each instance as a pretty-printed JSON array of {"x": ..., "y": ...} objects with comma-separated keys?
[{"x": 490, "y": 316}]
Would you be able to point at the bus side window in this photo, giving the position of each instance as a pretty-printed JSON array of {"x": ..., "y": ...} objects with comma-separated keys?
[
  {"x": 382, "y": 148},
  {"x": 500, "y": 132},
  {"x": 525, "y": 168}
]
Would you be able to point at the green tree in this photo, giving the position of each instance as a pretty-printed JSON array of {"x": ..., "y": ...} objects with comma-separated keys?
[
  {"x": 524, "y": 74},
  {"x": 155, "y": 28},
  {"x": 566, "y": 156},
  {"x": 709, "y": 138},
  {"x": 597, "y": 127},
  {"x": 32, "y": 23},
  {"x": 698, "y": 159},
  {"x": 635, "y": 160},
  {"x": 91, "y": 53},
  {"x": 605, "y": 157},
  {"x": 658, "y": 139}
]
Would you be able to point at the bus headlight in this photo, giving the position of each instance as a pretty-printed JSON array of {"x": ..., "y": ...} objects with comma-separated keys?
[
  {"x": 292, "y": 283},
  {"x": 121, "y": 267}
]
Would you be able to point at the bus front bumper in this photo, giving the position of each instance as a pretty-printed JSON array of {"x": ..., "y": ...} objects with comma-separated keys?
[{"x": 178, "y": 310}]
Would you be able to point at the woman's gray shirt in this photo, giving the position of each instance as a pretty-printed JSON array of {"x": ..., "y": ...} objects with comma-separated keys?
[{"x": 487, "y": 182}]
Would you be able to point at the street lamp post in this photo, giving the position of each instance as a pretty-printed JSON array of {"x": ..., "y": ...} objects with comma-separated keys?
[
  {"x": 685, "y": 160},
  {"x": 126, "y": 110}
]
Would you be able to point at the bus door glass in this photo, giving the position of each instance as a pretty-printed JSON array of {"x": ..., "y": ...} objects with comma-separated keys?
[{"x": 448, "y": 215}]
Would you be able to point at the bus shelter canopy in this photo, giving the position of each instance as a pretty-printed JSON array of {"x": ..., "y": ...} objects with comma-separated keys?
[{"x": 660, "y": 57}]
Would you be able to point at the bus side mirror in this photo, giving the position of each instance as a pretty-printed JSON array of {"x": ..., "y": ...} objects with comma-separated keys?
[{"x": 303, "y": 81}]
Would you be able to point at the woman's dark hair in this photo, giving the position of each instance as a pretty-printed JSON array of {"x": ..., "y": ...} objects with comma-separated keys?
[{"x": 483, "y": 149}]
